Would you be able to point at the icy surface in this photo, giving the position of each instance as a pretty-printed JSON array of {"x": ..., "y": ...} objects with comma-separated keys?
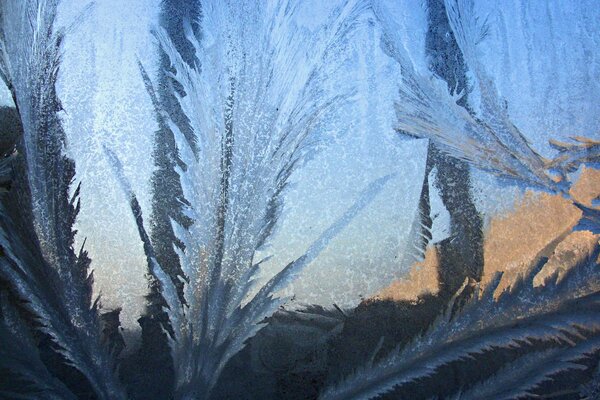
[
  {"x": 542, "y": 58},
  {"x": 106, "y": 104},
  {"x": 265, "y": 96},
  {"x": 5, "y": 97}
]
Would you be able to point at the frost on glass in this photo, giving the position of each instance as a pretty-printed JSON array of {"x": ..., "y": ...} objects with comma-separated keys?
[
  {"x": 253, "y": 121},
  {"x": 42, "y": 266},
  {"x": 350, "y": 199}
]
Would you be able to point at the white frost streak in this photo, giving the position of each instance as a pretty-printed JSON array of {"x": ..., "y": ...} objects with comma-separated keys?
[
  {"x": 261, "y": 88},
  {"x": 426, "y": 109}
]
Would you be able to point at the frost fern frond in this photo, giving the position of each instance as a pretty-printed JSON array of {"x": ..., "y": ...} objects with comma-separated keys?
[
  {"x": 426, "y": 109},
  {"x": 520, "y": 315},
  {"x": 520, "y": 378},
  {"x": 19, "y": 355},
  {"x": 255, "y": 98},
  {"x": 37, "y": 216}
]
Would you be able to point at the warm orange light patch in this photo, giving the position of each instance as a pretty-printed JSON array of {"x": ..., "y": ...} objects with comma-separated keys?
[
  {"x": 539, "y": 225},
  {"x": 571, "y": 251},
  {"x": 587, "y": 187},
  {"x": 422, "y": 279},
  {"x": 515, "y": 240}
]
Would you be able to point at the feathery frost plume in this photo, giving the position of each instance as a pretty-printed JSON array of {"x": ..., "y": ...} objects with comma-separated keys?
[
  {"x": 37, "y": 216},
  {"x": 426, "y": 109},
  {"x": 563, "y": 311},
  {"x": 255, "y": 98}
]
